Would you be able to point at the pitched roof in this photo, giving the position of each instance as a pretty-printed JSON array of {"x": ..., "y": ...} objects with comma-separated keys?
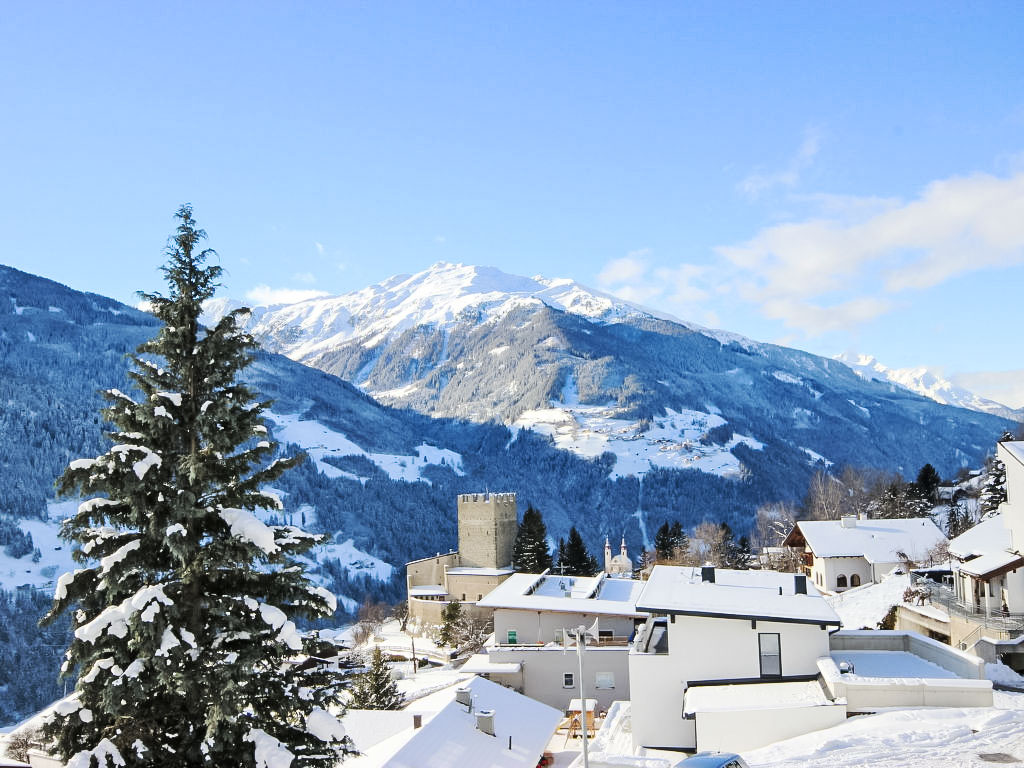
[
  {"x": 767, "y": 595},
  {"x": 878, "y": 541},
  {"x": 986, "y": 537},
  {"x": 522, "y": 728}
]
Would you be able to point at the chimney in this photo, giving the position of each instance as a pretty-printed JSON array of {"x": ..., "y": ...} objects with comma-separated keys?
[
  {"x": 848, "y": 521},
  {"x": 800, "y": 584},
  {"x": 707, "y": 573},
  {"x": 464, "y": 696},
  {"x": 485, "y": 721},
  {"x": 417, "y": 721}
]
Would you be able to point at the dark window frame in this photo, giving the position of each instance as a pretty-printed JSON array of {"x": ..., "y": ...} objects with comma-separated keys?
[{"x": 761, "y": 655}]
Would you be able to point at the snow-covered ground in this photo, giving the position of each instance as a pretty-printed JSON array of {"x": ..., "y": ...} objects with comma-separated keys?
[
  {"x": 321, "y": 442},
  {"x": 672, "y": 441},
  {"x": 921, "y": 738}
]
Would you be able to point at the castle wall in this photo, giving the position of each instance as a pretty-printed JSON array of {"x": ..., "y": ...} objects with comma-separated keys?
[{"x": 487, "y": 529}]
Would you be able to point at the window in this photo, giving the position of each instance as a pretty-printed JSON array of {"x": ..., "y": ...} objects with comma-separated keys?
[
  {"x": 855, "y": 580},
  {"x": 560, "y": 636},
  {"x": 604, "y": 680},
  {"x": 771, "y": 654},
  {"x": 512, "y": 637},
  {"x": 463, "y": 597},
  {"x": 605, "y": 635},
  {"x": 568, "y": 680},
  {"x": 841, "y": 581}
]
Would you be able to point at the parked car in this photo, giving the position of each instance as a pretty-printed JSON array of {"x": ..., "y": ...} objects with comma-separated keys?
[{"x": 713, "y": 760}]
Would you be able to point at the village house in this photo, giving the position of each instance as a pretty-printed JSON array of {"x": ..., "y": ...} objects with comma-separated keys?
[
  {"x": 725, "y": 651},
  {"x": 532, "y": 615},
  {"x": 987, "y": 614},
  {"x": 852, "y": 551}
]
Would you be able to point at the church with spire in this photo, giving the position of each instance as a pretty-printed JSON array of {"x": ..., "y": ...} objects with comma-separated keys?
[{"x": 620, "y": 565}]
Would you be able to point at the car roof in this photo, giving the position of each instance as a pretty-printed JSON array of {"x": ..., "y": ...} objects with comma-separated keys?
[{"x": 707, "y": 760}]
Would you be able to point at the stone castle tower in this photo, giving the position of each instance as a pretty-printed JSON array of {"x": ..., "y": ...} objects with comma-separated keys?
[{"x": 487, "y": 529}]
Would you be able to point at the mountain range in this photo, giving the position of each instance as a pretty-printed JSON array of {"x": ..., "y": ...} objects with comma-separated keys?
[
  {"x": 930, "y": 383},
  {"x": 604, "y": 415}
]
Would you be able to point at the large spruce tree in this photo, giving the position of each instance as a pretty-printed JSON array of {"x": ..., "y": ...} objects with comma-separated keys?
[
  {"x": 182, "y": 636},
  {"x": 530, "y": 552}
]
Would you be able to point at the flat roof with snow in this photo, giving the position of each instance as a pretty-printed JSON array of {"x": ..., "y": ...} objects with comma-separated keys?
[
  {"x": 878, "y": 541},
  {"x": 1014, "y": 448},
  {"x": 568, "y": 594},
  {"x": 730, "y": 698},
  {"x": 766, "y": 595},
  {"x": 472, "y": 571}
]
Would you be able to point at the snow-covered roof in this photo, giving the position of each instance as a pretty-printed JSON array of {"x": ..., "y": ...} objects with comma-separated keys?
[
  {"x": 878, "y": 541},
  {"x": 992, "y": 563},
  {"x": 452, "y": 740},
  {"x": 473, "y": 571},
  {"x": 729, "y": 698},
  {"x": 767, "y": 595},
  {"x": 480, "y": 664},
  {"x": 989, "y": 535},
  {"x": 1015, "y": 449},
  {"x": 566, "y": 594},
  {"x": 428, "y": 589}
]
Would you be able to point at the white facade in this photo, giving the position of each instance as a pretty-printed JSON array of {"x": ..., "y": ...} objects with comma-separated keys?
[
  {"x": 988, "y": 571},
  {"x": 846, "y": 553},
  {"x": 532, "y": 614},
  {"x": 719, "y": 627}
]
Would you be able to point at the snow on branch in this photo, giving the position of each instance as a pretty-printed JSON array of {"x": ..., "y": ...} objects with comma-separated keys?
[
  {"x": 113, "y": 620},
  {"x": 270, "y": 753},
  {"x": 246, "y": 526}
]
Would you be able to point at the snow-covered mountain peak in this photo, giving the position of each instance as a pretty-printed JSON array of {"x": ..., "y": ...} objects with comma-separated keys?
[
  {"x": 923, "y": 381},
  {"x": 439, "y": 296}
]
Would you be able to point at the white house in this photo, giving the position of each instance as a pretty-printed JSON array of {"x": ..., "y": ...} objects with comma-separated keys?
[
  {"x": 531, "y": 614},
  {"x": 839, "y": 554},
  {"x": 728, "y": 649},
  {"x": 988, "y": 570}
]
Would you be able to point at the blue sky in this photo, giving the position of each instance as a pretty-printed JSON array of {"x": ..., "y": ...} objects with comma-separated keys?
[{"x": 829, "y": 176}]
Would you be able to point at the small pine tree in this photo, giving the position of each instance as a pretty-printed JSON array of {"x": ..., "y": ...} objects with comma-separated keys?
[
  {"x": 680, "y": 542},
  {"x": 451, "y": 621},
  {"x": 993, "y": 492},
  {"x": 530, "y": 550},
  {"x": 927, "y": 483},
  {"x": 375, "y": 688},
  {"x": 574, "y": 559},
  {"x": 664, "y": 545},
  {"x": 180, "y": 612}
]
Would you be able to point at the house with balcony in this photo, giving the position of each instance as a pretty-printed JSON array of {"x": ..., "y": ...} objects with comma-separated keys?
[
  {"x": 533, "y": 613},
  {"x": 986, "y": 608},
  {"x": 846, "y": 553},
  {"x": 727, "y": 650}
]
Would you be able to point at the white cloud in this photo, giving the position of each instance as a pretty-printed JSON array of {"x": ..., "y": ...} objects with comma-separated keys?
[
  {"x": 264, "y": 295},
  {"x": 1005, "y": 387},
  {"x": 304, "y": 277},
  {"x": 319, "y": 247},
  {"x": 759, "y": 182},
  {"x": 829, "y": 273},
  {"x": 440, "y": 239},
  {"x": 633, "y": 279}
]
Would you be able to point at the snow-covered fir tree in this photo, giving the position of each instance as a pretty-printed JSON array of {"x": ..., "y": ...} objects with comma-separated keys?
[
  {"x": 530, "y": 552},
  {"x": 182, "y": 636},
  {"x": 993, "y": 492},
  {"x": 375, "y": 688}
]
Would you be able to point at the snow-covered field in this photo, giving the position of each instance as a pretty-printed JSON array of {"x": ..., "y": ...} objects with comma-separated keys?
[
  {"x": 917, "y": 738},
  {"x": 671, "y": 441},
  {"x": 321, "y": 442}
]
